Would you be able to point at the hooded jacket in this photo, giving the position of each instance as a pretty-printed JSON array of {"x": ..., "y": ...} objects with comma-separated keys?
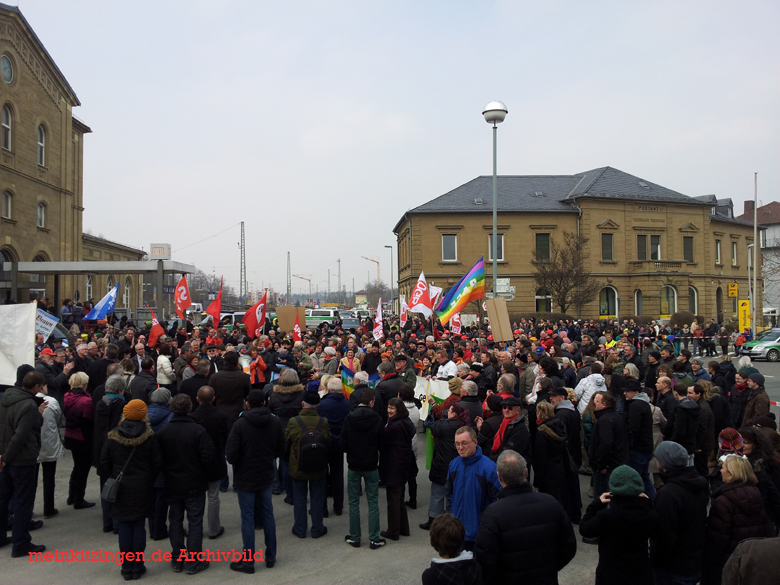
[
  {"x": 608, "y": 441},
  {"x": 285, "y": 402},
  {"x": 686, "y": 424},
  {"x": 586, "y": 388},
  {"x": 136, "y": 487},
  {"x": 472, "y": 485},
  {"x": 188, "y": 455},
  {"x": 294, "y": 433},
  {"x": 360, "y": 437},
  {"x": 256, "y": 439},
  {"x": 461, "y": 570},
  {"x": 159, "y": 415},
  {"x": 678, "y": 544},
  {"x": 639, "y": 417},
  {"x": 334, "y": 407},
  {"x": 570, "y": 416}
]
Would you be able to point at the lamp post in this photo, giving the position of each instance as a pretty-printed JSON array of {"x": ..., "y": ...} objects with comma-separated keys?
[
  {"x": 494, "y": 113},
  {"x": 392, "y": 278}
]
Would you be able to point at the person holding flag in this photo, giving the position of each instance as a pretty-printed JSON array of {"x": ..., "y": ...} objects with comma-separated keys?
[
  {"x": 254, "y": 318},
  {"x": 215, "y": 308}
]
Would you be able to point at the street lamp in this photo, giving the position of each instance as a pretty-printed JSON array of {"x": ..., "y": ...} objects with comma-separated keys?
[
  {"x": 494, "y": 113},
  {"x": 392, "y": 277}
]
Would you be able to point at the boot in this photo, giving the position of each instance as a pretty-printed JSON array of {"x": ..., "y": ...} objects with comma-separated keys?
[{"x": 427, "y": 525}]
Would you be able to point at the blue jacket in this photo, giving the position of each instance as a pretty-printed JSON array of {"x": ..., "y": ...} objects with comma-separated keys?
[
  {"x": 335, "y": 408},
  {"x": 472, "y": 485}
]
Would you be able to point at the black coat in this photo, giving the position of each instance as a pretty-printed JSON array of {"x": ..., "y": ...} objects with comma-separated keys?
[
  {"x": 488, "y": 431},
  {"x": 668, "y": 404},
  {"x": 678, "y": 542},
  {"x": 136, "y": 487},
  {"x": 108, "y": 413},
  {"x": 570, "y": 416},
  {"x": 685, "y": 425},
  {"x": 142, "y": 386},
  {"x": 389, "y": 387},
  {"x": 379, "y": 404},
  {"x": 608, "y": 441},
  {"x": 97, "y": 371},
  {"x": 443, "y": 430},
  {"x": 721, "y": 413},
  {"x": 705, "y": 435},
  {"x": 474, "y": 405},
  {"x": 395, "y": 452},
  {"x": 190, "y": 387},
  {"x": 216, "y": 424},
  {"x": 256, "y": 439},
  {"x": 517, "y": 438},
  {"x": 639, "y": 419},
  {"x": 524, "y": 537},
  {"x": 361, "y": 434},
  {"x": 623, "y": 527},
  {"x": 554, "y": 470},
  {"x": 188, "y": 457},
  {"x": 371, "y": 362},
  {"x": 285, "y": 402},
  {"x": 231, "y": 387}
]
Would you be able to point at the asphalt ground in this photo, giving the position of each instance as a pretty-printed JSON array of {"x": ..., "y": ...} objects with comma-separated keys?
[{"x": 327, "y": 560}]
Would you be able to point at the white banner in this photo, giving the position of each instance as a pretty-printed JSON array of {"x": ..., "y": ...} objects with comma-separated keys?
[
  {"x": 439, "y": 389},
  {"x": 455, "y": 324},
  {"x": 17, "y": 343},
  {"x": 44, "y": 323}
]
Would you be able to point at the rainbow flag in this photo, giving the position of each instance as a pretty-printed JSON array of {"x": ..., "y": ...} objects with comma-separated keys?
[
  {"x": 348, "y": 381},
  {"x": 470, "y": 288}
]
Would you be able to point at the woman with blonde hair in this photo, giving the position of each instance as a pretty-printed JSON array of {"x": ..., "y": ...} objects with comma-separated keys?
[{"x": 79, "y": 418}]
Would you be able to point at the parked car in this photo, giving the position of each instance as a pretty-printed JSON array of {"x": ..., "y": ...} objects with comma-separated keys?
[
  {"x": 318, "y": 316},
  {"x": 766, "y": 345}
]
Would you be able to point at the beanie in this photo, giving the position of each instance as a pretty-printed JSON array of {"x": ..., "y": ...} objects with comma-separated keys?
[
  {"x": 21, "y": 372},
  {"x": 729, "y": 441},
  {"x": 671, "y": 456},
  {"x": 624, "y": 481},
  {"x": 757, "y": 378},
  {"x": 766, "y": 421},
  {"x": 494, "y": 403},
  {"x": 134, "y": 410},
  {"x": 256, "y": 398},
  {"x": 312, "y": 398},
  {"x": 161, "y": 396},
  {"x": 656, "y": 355},
  {"x": 455, "y": 384}
]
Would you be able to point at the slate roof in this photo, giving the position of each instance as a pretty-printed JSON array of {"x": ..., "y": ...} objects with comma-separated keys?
[{"x": 767, "y": 214}]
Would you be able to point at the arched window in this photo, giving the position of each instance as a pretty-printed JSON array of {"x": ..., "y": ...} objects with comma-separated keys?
[
  {"x": 668, "y": 302},
  {"x": 41, "y": 215},
  {"x": 109, "y": 284},
  {"x": 8, "y": 121},
  {"x": 8, "y": 205},
  {"x": 543, "y": 301},
  {"x": 41, "y": 145},
  {"x": 638, "y": 305},
  {"x": 88, "y": 288},
  {"x": 126, "y": 295},
  {"x": 693, "y": 300},
  {"x": 40, "y": 278},
  {"x": 607, "y": 303},
  {"x": 7, "y": 255}
]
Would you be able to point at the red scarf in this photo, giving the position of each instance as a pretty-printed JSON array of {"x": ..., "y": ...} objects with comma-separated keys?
[
  {"x": 499, "y": 438},
  {"x": 741, "y": 387}
]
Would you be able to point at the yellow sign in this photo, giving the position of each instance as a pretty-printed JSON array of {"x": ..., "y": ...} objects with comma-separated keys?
[
  {"x": 744, "y": 315},
  {"x": 734, "y": 290}
]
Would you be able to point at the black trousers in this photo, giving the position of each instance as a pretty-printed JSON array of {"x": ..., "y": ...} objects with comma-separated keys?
[
  {"x": 411, "y": 481},
  {"x": 49, "y": 471},
  {"x": 397, "y": 520},
  {"x": 335, "y": 478},
  {"x": 82, "y": 463},
  {"x": 158, "y": 515}
]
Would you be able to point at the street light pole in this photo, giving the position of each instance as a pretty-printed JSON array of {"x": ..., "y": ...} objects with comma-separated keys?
[
  {"x": 494, "y": 113},
  {"x": 392, "y": 278}
]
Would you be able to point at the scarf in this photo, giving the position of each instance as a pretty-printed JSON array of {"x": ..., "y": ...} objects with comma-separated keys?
[
  {"x": 499, "y": 438},
  {"x": 741, "y": 387}
]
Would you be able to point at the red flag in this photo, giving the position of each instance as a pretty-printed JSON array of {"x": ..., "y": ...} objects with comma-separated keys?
[
  {"x": 156, "y": 331},
  {"x": 455, "y": 324},
  {"x": 420, "y": 301},
  {"x": 182, "y": 297},
  {"x": 215, "y": 308},
  {"x": 297, "y": 329},
  {"x": 254, "y": 318}
]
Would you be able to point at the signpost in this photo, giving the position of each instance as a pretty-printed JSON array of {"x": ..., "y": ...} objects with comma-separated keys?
[{"x": 744, "y": 315}]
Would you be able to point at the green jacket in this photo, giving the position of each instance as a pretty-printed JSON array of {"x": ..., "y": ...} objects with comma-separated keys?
[
  {"x": 305, "y": 365},
  {"x": 20, "y": 427},
  {"x": 409, "y": 376},
  {"x": 294, "y": 434}
]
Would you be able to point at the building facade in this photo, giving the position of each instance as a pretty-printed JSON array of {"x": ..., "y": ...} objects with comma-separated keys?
[
  {"x": 41, "y": 171},
  {"x": 769, "y": 223},
  {"x": 654, "y": 250}
]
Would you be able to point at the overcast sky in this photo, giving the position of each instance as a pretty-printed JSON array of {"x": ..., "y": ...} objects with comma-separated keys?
[{"x": 320, "y": 123}]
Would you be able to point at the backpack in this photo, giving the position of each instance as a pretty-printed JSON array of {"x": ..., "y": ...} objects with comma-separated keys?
[{"x": 313, "y": 450}]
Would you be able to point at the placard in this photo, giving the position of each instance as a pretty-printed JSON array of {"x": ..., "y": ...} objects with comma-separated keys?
[
  {"x": 286, "y": 315},
  {"x": 500, "y": 326}
]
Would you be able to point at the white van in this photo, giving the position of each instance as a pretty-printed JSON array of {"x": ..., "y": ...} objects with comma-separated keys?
[{"x": 316, "y": 316}]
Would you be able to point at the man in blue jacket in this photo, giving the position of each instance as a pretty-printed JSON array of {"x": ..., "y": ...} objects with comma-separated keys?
[{"x": 472, "y": 483}]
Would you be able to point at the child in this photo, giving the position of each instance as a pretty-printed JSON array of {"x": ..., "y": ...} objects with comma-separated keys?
[{"x": 453, "y": 565}]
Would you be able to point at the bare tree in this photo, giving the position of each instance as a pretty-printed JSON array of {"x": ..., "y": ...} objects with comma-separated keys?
[
  {"x": 562, "y": 273},
  {"x": 376, "y": 289}
]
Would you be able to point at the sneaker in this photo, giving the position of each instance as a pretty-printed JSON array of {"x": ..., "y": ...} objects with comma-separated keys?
[
  {"x": 351, "y": 541},
  {"x": 240, "y": 567},
  {"x": 198, "y": 567},
  {"x": 375, "y": 544}
]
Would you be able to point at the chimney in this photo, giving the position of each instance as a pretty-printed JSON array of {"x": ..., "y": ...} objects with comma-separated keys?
[{"x": 749, "y": 208}]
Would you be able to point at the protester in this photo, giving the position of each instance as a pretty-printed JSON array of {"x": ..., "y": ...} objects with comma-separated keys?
[
  {"x": 454, "y": 564},
  {"x": 412, "y": 405},
  {"x": 395, "y": 458},
  {"x": 79, "y": 427},
  {"x": 131, "y": 450},
  {"x": 255, "y": 441},
  {"x": 51, "y": 449},
  {"x": 639, "y": 419},
  {"x": 608, "y": 443},
  {"x": 335, "y": 408},
  {"x": 285, "y": 402}
]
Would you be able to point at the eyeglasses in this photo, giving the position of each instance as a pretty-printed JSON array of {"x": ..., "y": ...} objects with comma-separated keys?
[{"x": 507, "y": 407}]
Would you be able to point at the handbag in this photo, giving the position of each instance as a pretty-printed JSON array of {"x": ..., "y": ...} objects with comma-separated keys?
[{"x": 111, "y": 488}]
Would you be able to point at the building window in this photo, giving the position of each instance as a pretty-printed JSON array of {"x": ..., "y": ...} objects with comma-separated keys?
[
  {"x": 763, "y": 238},
  {"x": 8, "y": 121},
  {"x": 668, "y": 302},
  {"x": 641, "y": 247},
  {"x": 543, "y": 301},
  {"x": 41, "y": 145},
  {"x": 733, "y": 253},
  {"x": 41, "y": 215},
  {"x": 109, "y": 284},
  {"x": 655, "y": 247},
  {"x": 717, "y": 252},
  {"x": 606, "y": 247},
  {"x": 8, "y": 204},
  {"x": 607, "y": 302},
  {"x": 638, "y": 304},
  {"x": 500, "y": 247},
  {"x": 88, "y": 292},
  {"x": 542, "y": 247},
  {"x": 693, "y": 300},
  {"x": 126, "y": 295},
  {"x": 688, "y": 248},
  {"x": 449, "y": 247}
]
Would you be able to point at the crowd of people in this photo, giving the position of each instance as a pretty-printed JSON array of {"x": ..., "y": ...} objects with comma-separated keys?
[{"x": 683, "y": 455}]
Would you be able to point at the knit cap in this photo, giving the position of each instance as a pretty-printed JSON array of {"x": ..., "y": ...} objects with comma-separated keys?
[
  {"x": 729, "y": 441},
  {"x": 455, "y": 384},
  {"x": 671, "y": 456},
  {"x": 624, "y": 481},
  {"x": 134, "y": 410},
  {"x": 757, "y": 378},
  {"x": 161, "y": 396}
]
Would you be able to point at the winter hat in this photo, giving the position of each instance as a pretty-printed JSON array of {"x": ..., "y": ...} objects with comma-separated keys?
[
  {"x": 134, "y": 410},
  {"x": 455, "y": 384},
  {"x": 698, "y": 360},
  {"x": 330, "y": 351},
  {"x": 766, "y": 421},
  {"x": 21, "y": 372},
  {"x": 558, "y": 391},
  {"x": 729, "y": 441},
  {"x": 523, "y": 358},
  {"x": 757, "y": 378},
  {"x": 656, "y": 355},
  {"x": 312, "y": 398},
  {"x": 256, "y": 398},
  {"x": 632, "y": 385},
  {"x": 624, "y": 481},
  {"x": 494, "y": 403},
  {"x": 476, "y": 367},
  {"x": 161, "y": 396},
  {"x": 671, "y": 456}
]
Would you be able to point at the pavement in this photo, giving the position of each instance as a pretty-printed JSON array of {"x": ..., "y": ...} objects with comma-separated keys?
[{"x": 327, "y": 560}]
